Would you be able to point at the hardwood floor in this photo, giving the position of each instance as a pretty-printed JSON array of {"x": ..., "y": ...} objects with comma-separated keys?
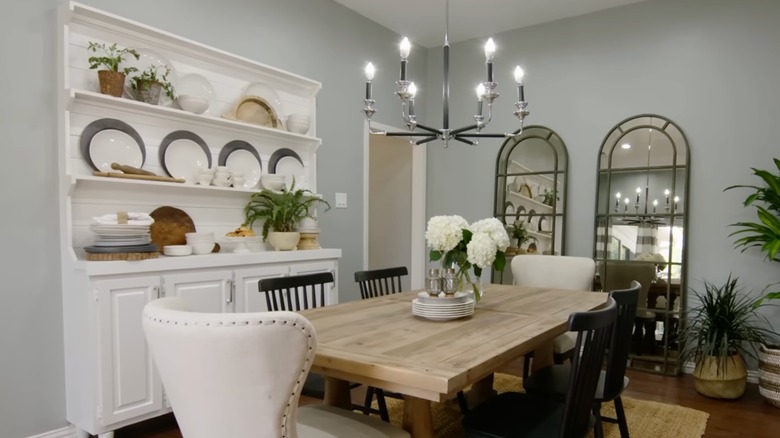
[{"x": 749, "y": 416}]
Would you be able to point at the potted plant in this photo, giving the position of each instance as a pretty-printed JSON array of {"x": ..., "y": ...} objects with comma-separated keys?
[
  {"x": 764, "y": 234},
  {"x": 721, "y": 328},
  {"x": 280, "y": 212},
  {"x": 550, "y": 196},
  {"x": 110, "y": 78},
  {"x": 519, "y": 234},
  {"x": 151, "y": 82}
]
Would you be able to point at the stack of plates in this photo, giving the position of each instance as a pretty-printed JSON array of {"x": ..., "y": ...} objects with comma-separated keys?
[
  {"x": 443, "y": 309},
  {"x": 121, "y": 236}
]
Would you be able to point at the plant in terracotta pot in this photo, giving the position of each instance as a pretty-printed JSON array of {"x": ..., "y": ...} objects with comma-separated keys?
[
  {"x": 721, "y": 328},
  {"x": 765, "y": 235},
  {"x": 110, "y": 77},
  {"x": 151, "y": 82},
  {"x": 280, "y": 212}
]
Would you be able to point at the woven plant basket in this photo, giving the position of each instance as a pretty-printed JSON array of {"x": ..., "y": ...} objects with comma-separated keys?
[{"x": 769, "y": 374}]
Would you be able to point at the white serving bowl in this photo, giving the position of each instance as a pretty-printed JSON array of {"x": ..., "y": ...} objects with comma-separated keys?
[
  {"x": 193, "y": 104},
  {"x": 272, "y": 181},
  {"x": 202, "y": 248},
  {"x": 298, "y": 123},
  {"x": 177, "y": 250}
]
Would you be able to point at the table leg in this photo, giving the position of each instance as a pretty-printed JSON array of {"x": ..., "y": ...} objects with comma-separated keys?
[
  {"x": 543, "y": 357},
  {"x": 337, "y": 393},
  {"x": 417, "y": 417},
  {"x": 481, "y": 391}
]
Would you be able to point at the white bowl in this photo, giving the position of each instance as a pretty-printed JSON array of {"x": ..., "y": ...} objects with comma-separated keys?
[
  {"x": 177, "y": 250},
  {"x": 193, "y": 104},
  {"x": 298, "y": 123},
  {"x": 202, "y": 248},
  {"x": 272, "y": 181}
]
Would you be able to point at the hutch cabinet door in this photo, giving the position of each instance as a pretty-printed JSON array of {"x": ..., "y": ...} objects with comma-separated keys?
[
  {"x": 248, "y": 296},
  {"x": 203, "y": 291},
  {"x": 129, "y": 384}
]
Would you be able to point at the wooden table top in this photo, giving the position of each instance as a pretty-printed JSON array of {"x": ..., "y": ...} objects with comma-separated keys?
[{"x": 380, "y": 343}]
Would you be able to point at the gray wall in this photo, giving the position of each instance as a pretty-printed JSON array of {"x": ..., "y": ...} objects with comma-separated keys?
[{"x": 709, "y": 65}]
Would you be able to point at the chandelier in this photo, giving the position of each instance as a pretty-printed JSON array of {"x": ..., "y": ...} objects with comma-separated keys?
[{"x": 485, "y": 94}]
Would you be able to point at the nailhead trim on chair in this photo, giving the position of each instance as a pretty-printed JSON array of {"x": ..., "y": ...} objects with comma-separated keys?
[{"x": 301, "y": 375}]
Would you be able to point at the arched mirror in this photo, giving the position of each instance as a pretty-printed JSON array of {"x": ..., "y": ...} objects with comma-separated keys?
[
  {"x": 530, "y": 193},
  {"x": 641, "y": 209}
]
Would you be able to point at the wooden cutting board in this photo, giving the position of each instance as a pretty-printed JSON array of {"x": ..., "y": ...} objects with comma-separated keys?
[
  {"x": 170, "y": 226},
  {"x": 145, "y": 177}
]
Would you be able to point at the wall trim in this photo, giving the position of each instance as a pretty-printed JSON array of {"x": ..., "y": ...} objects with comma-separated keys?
[{"x": 65, "y": 432}]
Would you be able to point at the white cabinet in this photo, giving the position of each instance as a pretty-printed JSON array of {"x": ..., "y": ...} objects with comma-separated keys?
[
  {"x": 129, "y": 385},
  {"x": 109, "y": 374},
  {"x": 209, "y": 291}
]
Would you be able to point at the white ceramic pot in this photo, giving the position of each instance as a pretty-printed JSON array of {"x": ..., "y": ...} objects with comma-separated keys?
[{"x": 284, "y": 241}]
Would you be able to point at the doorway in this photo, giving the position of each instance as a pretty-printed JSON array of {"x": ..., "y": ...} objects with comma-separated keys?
[{"x": 394, "y": 199}]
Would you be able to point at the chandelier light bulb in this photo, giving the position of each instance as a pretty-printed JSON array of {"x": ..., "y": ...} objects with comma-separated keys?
[
  {"x": 490, "y": 49},
  {"x": 519, "y": 73},
  {"x": 406, "y": 47},
  {"x": 625, "y": 146},
  {"x": 617, "y": 195},
  {"x": 370, "y": 70},
  {"x": 480, "y": 91},
  {"x": 412, "y": 89}
]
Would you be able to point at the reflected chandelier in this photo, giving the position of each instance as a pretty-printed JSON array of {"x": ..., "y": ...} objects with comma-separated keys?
[{"x": 485, "y": 93}]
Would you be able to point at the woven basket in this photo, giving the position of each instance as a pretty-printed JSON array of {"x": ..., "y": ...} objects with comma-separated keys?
[{"x": 769, "y": 374}]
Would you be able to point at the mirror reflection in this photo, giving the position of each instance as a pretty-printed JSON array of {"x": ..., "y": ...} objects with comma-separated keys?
[
  {"x": 530, "y": 194},
  {"x": 640, "y": 230}
]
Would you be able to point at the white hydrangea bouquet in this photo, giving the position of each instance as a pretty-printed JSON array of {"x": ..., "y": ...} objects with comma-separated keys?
[{"x": 465, "y": 246}]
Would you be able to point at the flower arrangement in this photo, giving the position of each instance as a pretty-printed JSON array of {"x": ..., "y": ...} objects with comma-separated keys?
[{"x": 465, "y": 246}]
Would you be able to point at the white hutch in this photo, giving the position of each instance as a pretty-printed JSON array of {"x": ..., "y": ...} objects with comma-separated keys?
[{"x": 110, "y": 378}]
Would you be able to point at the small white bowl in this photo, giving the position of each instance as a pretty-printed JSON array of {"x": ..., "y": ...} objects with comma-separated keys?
[
  {"x": 202, "y": 248},
  {"x": 272, "y": 181},
  {"x": 193, "y": 104},
  {"x": 177, "y": 250},
  {"x": 298, "y": 123}
]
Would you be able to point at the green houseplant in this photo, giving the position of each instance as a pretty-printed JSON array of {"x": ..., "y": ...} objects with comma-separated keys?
[
  {"x": 722, "y": 328},
  {"x": 517, "y": 231},
  {"x": 151, "y": 82},
  {"x": 765, "y": 235},
  {"x": 110, "y": 78},
  {"x": 281, "y": 211}
]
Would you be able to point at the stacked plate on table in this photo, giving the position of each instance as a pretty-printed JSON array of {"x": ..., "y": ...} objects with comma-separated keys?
[{"x": 443, "y": 308}]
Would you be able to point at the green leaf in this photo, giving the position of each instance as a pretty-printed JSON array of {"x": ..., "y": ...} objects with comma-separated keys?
[
  {"x": 435, "y": 255},
  {"x": 500, "y": 262}
]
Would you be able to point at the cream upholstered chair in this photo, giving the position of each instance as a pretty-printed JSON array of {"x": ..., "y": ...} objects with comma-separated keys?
[
  {"x": 240, "y": 375},
  {"x": 554, "y": 272}
]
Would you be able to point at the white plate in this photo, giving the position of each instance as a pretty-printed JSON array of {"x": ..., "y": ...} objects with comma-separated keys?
[
  {"x": 423, "y": 297},
  {"x": 418, "y": 302},
  {"x": 147, "y": 58},
  {"x": 435, "y": 317},
  {"x": 107, "y": 141},
  {"x": 246, "y": 161},
  {"x": 196, "y": 85},
  {"x": 292, "y": 168},
  {"x": 128, "y": 242},
  {"x": 121, "y": 226},
  {"x": 183, "y": 154}
]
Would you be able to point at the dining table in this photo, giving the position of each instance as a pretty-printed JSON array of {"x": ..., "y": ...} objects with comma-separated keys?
[{"x": 381, "y": 343}]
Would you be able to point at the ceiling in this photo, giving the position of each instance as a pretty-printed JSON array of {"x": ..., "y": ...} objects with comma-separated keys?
[{"x": 422, "y": 21}]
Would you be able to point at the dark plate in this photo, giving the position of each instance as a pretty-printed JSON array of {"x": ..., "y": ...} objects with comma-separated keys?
[
  {"x": 120, "y": 249},
  {"x": 233, "y": 146},
  {"x": 278, "y": 155},
  {"x": 102, "y": 124},
  {"x": 181, "y": 135}
]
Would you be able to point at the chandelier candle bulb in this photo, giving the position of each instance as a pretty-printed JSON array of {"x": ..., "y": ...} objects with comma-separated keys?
[
  {"x": 617, "y": 201},
  {"x": 666, "y": 192},
  {"x": 370, "y": 70},
  {"x": 480, "y": 94},
  {"x": 625, "y": 204},
  {"x": 519, "y": 73},
  {"x": 638, "y": 191},
  {"x": 655, "y": 204},
  {"x": 406, "y": 47},
  {"x": 490, "y": 51}
]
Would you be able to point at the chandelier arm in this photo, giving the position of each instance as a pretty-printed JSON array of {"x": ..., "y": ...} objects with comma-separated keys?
[
  {"x": 455, "y": 132},
  {"x": 426, "y": 139},
  {"x": 429, "y": 129},
  {"x": 486, "y": 135},
  {"x": 464, "y": 140}
]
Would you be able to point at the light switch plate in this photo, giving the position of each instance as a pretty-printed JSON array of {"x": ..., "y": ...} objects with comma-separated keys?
[{"x": 341, "y": 200}]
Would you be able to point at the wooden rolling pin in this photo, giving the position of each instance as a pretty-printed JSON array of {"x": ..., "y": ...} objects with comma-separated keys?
[{"x": 131, "y": 170}]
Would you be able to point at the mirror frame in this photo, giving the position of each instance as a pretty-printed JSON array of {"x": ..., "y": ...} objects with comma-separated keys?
[
  {"x": 666, "y": 363},
  {"x": 558, "y": 175}
]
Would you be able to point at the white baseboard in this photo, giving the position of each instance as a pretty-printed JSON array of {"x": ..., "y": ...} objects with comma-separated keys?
[
  {"x": 752, "y": 375},
  {"x": 65, "y": 432}
]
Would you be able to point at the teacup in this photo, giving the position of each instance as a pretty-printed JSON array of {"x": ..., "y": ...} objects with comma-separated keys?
[
  {"x": 204, "y": 179},
  {"x": 238, "y": 181},
  {"x": 222, "y": 181}
]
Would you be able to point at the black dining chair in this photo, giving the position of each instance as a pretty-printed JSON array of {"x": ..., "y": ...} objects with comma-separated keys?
[
  {"x": 553, "y": 381},
  {"x": 515, "y": 415},
  {"x": 296, "y": 293},
  {"x": 377, "y": 283}
]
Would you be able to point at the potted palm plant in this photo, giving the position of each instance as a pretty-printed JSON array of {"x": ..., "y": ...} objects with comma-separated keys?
[
  {"x": 110, "y": 78},
  {"x": 280, "y": 212},
  {"x": 722, "y": 328},
  {"x": 519, "y": 236},
  {"x": 151, "y": 82},
  {"x": 765, "y": 235}
]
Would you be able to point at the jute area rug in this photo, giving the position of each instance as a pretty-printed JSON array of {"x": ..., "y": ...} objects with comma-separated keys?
[{"x": 646, "y": 419}]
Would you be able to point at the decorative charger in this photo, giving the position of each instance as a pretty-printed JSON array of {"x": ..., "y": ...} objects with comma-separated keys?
[
  {"x": 170, "y": 226},
  {"x": 255, "y": 110}
]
